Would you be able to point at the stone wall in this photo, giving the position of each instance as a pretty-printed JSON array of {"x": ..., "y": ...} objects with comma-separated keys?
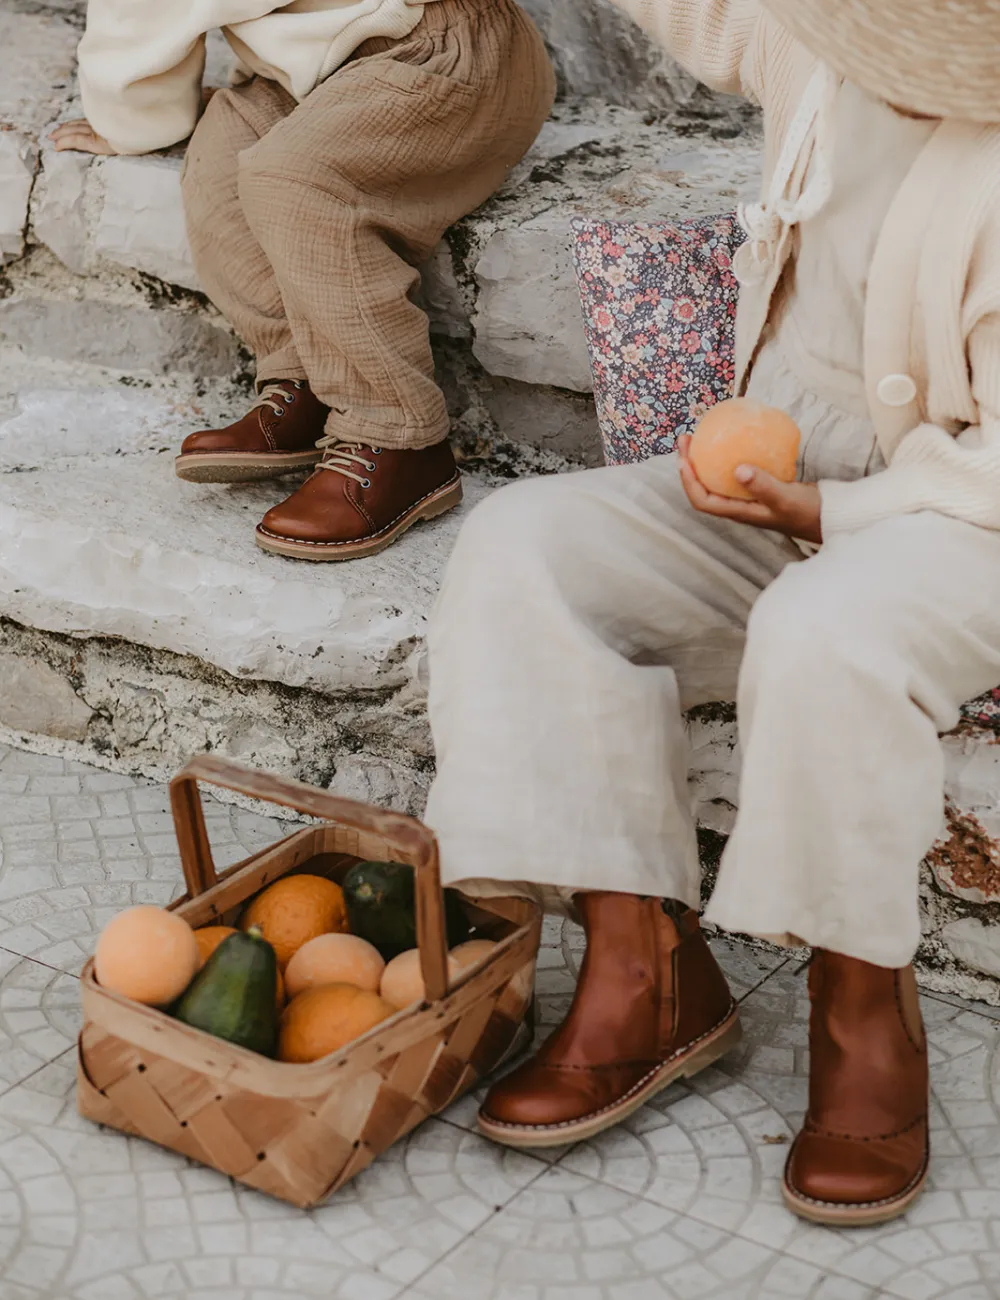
[{"x": 599, "y": 51}]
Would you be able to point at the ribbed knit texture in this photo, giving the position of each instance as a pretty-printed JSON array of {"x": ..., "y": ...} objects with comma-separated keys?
[
  {"x": 142, "y": 61},
  {"x": 933, "y": 309}
]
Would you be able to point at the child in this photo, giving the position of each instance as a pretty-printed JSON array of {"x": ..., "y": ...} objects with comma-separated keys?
[
  {"x": 361, "y": 131},
  {"x": 581, "y": 614}
]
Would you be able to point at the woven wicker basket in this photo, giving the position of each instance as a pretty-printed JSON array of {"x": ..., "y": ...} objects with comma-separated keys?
[{"x": 299, "y": 1132}]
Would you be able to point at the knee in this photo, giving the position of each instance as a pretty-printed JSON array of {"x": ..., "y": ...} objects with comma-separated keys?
[
  {"x": 802, "y": 634},
  {"x": 524, "y": 528},
  {"x": 267, "y": 170}
]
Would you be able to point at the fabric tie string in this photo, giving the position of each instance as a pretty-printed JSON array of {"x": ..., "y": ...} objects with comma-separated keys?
[{"x": 766, "y": 222}]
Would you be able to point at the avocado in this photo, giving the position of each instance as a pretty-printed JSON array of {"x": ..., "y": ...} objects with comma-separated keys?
[
  {"x": 381, "y": 907},
  {"x": 234, "y": 995}
]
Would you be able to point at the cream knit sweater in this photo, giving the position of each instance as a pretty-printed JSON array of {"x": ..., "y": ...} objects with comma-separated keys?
[
  {"x": 141, "y": 61},
  {"x": 932, "y": 315}
]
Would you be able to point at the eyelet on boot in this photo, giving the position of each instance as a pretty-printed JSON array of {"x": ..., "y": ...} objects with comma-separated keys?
[{"x": 366, "y": 482}]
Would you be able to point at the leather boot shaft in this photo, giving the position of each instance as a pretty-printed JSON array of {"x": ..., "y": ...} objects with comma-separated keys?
[
  {"x": 862, "y": 1155},
  {"x": 651, "y": 1005},
  {"x": 638, "y": 958},
  {"x": 866, "y": 1037}
]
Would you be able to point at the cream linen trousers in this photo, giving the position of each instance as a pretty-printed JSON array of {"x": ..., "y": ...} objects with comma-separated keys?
[{"x": 582, "y": 613}]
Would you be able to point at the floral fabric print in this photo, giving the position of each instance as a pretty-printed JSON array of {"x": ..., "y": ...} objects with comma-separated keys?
[
  {"x": 984, "y": 711},
  {"x": 659, "y": 310}
]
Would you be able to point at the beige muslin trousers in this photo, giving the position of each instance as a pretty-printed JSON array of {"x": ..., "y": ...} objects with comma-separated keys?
[
  {"x": 306, "y": 221},
  {"x": 582, "y": 613}
]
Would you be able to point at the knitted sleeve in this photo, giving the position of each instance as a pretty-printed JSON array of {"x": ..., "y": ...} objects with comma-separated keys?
[
  {"x": 141, "y": 68},
  {"x": 708, "y": 38},
  {"x": 931, "y": 469}
]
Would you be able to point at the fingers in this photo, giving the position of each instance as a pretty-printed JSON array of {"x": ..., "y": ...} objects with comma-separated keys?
[
  {"x": 66, "y": 130},
  {"x": 764, "y": 487},
  {"x": 796, "y": 508},
  {"x": 690, "y": 481},
  {"x": 710, "y": 503},
  {"x": 79, "y": 136}
]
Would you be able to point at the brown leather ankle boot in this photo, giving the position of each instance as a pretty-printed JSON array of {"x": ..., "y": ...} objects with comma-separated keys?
[
  {"x": 360, "y": 500},
  {"x": 651, "y": 1006},
  {"x": 276, "y": 436},
  {"x": 862, "y": 1155}
]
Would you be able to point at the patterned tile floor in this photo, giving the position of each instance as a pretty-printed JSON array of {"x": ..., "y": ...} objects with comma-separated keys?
[{"x": 679, "y": 1203}]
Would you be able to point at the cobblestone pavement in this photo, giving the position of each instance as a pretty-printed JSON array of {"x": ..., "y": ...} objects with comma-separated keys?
[{"x": 679, "y": 1203}]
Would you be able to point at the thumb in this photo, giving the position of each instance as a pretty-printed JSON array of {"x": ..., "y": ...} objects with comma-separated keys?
[{"x": 763, "y": 487}]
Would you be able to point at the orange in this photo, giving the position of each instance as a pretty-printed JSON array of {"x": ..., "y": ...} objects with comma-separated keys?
[
  {"x": 403, "y": 982},
  {"x": 294, "y": 910},
  {"x": 323, "y": 1020},
  {"x": 148, "y": 954},
  {"x": 335, "y": 959},
  {"x": 741, "y": 431},
  {"x": 471, "y": 953},
  {"x": 208, "y": 939}
]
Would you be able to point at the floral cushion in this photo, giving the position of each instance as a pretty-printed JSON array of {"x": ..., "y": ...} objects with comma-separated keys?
[{"x": 659, "y": 309}]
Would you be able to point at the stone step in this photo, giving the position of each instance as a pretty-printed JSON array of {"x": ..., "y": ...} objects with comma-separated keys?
[
  {"x": 140, "y": 623},
  {"x": 98, "y": 271}
]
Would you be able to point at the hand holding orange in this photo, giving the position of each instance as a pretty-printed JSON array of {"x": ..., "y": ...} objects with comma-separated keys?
[{"x": 742, "y": 431}]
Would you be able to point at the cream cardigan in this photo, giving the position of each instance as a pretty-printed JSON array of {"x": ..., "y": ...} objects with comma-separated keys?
[
  {"x": 141, "y": 61},
  {"x": 932, "y": 316}
]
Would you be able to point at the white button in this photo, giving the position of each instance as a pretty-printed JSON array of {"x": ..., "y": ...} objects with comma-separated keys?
[{"x": 896, "y": 390}]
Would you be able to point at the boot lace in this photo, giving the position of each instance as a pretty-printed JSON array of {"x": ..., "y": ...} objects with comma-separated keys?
[
  {"x": 278, "y": 396},
  {"x": 347, "y": 458}
]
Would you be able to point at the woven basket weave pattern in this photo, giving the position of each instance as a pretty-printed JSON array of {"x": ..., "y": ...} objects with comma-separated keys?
[{"x": 299, "y": 1132}]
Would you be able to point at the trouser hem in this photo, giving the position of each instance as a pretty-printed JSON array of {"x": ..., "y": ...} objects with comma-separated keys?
[
  {"x": 799, "y": 933},
  {"x": 348, "y": 426},
  {"x": 283, "y": 364}
]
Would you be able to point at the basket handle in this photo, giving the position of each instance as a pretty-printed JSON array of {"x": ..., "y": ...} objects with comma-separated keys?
[{"x": 413, "y": 842}]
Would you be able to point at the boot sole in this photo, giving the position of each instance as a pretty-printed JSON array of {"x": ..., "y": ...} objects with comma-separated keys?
[
  {"x": 684, "y": 1065},
  {"x": 234, "y": 467},
  {"x": 832, "y": 1215},
  {"x": 436, "y": 503}
]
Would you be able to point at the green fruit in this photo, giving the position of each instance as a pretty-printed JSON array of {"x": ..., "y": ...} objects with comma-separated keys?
[
  {"x": 234, "y": 995},
  {"x": 382, "y": 909}
]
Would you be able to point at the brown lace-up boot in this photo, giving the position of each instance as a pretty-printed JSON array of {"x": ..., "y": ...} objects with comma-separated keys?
[
  {"x": 862, "y": 1155},
  {"x": 276, "y": 436},
  {"x": 651, "y": 1006},
  {"x": 360, "y": 500}
]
